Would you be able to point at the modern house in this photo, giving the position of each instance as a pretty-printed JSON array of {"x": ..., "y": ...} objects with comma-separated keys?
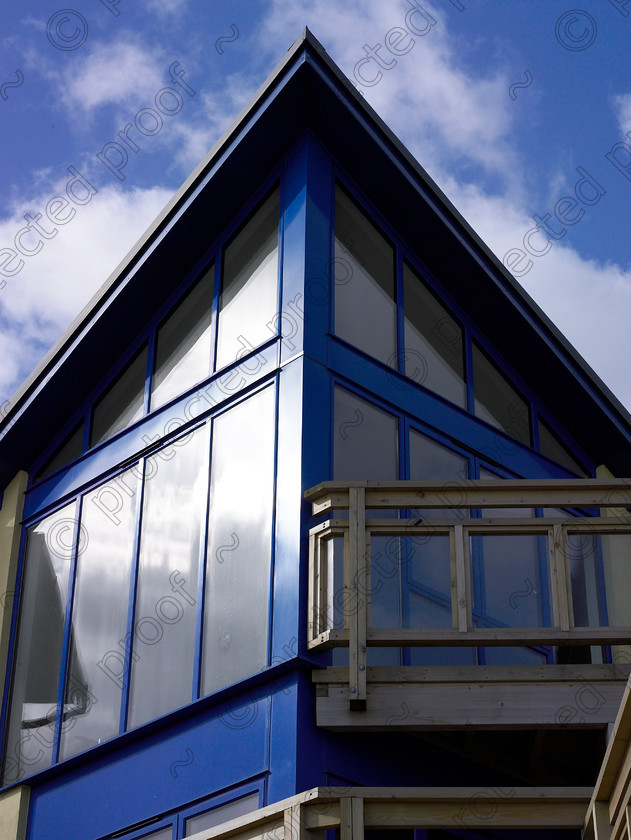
[{"x": 312, "y": 521}]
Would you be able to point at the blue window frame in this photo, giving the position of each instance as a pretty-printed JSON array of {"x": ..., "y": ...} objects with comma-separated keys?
[
  {"x": 439, "y": 348},
  {"x": 177, "y": 349}
]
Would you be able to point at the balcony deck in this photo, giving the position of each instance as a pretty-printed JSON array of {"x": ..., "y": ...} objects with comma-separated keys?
[{"x": 443, "y": 697}]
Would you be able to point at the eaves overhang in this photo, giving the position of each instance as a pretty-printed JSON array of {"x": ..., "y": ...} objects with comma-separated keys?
[{"x": 308, "y": 92}]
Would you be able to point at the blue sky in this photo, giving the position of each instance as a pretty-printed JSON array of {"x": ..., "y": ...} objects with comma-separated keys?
[{"x": 512, "y": 106}]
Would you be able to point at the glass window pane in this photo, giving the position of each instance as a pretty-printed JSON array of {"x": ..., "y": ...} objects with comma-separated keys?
[
  {"x": 365, "y": 446},
  {"x": 365, "y": 307},
  {"x": 33, "y": 708},
  {"x": 69, "y": 450},
  {"x": 99, "y": 618},
  {"x": 249, "y": 293},
  {"x": 123, "y": 402},
  {"x": 509, "y": 593},
  {"x": 550, "y": 445},
  {"x": 236, "y": 610},
  {"x": 164, "y": 636},
  {"x": 183, "y": 344},
  {"x": 434, "y": 353},
  {"x": 224, "y": 813},
  {"x": 496, "y": 401},
  {"x": 429, "y": 461}
]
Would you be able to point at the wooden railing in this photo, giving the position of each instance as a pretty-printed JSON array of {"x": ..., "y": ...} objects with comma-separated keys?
[
  {"x": 354, "y": 810},
  {"x": 409, "y": 496}
]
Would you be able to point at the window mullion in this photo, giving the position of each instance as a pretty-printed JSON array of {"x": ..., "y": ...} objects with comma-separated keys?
[
  {"x": 131, "y": 616},
  {"x": 65, "y": 650}
]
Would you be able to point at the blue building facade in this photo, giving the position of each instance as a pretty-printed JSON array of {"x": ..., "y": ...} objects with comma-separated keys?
[{"x": 308, "y": 308}]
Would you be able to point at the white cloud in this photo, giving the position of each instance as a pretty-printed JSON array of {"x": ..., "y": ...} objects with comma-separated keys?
[
  {"x": 122, "y": 72},
  {"x": 623, "y": 108},
  {"x": 587, "y": 300},
  {"x": 426, "y": 98},
  {"x": 165, "y": 7},
  {"x": 39, "y": 303}
]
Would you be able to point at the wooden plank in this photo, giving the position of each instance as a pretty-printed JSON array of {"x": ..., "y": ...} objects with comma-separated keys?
[
  {"x": 560, "y": 583},
  {"x": 457, "y": 494},
  {"x": 461, "y": 558},
  {"x": 357, "y": 608},
  {"x": 435, "y": 706},
  {"x": 477, "y": 673},
  {"x": 351, "y": 818},
  {"x": 479, "y": 812},
  {"x": 509, "y": 636},
  {"x": 292, "y": 823}
]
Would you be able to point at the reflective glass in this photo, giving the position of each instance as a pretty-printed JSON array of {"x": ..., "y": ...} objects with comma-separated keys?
[
  {"x": 164, "y": 627},
  {"x": 183, "y": 344},
  {"x": 365, "y": 448},
  {"x": 597, "y": 561},
  {"x": 434, "y": 353},
  {"x": 249, "y": 293},
  {"x": 551, "y": 446},
  {"x": 221, "y": 814},
  {"x": 123, "y": 402},
  {"x": 33, "y": 707},
  {"x": 496, "y": 401},
  {"x": 429, "y": 461},
  {"x": 99, "y": 618},
  {"x": 69, "y": 450},
  {"x": 509, "y": 592},
  {"x": 364, "y": 278},
  {"x": 236, "y": 609}
]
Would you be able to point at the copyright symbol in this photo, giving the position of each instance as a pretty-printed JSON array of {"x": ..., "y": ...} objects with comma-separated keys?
[
  {"x": 576, "y": 30},
  {"x": 413, "y": 363},
  {"x": 60, "y": 538},
  {"x": 240, "y": 717},
  {"x": 67, "y": 29}
]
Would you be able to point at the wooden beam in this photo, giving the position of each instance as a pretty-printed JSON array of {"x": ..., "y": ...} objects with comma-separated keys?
[
  {"x": 540, "y": 674},
  {"x": 490, "y": 636},
  {"x": 455, "y": 706},
  {"x": 357, "y": 608}
]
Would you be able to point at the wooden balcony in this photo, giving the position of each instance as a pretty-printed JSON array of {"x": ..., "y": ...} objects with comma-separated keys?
[
  {"x": 352, "y": 811},
  {"x": 443, "y": 697}
]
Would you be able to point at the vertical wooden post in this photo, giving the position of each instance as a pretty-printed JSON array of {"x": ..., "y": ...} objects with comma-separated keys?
[
  {"x": 358, "y": 576},
  {"x": 459, "y": 536},
  {"x": 351, "y": 818},
  {"x": 292, "y": 823},
  {"x": 559, "y": 578}
]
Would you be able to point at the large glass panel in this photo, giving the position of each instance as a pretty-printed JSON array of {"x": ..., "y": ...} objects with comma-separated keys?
[
  {"x": 496, "y": 401},
  {"x": 123, "y": 402},
  {"x": 68, "y": 451},
  {"x": 249, "y": 293},
  {"x": 221, "y": 814},
  {"x": 429, "y": 461},
  {"x": 33, "y": 708},
  {"x": 551, "y": 446},
  {"x": 99, "y": 619},
  {"x": 366, "y": 449},
  {"x": 164, "y": 638},
  {"x": 434, "y": 352},
  {"x": 365, "y": 307},
  {"x": 597, "y": 563},
  {"x": 183, "y": 344},
  {"x": 426, "y": 558},
  {"x": 508, "y": 591},
  {"x": 236, "y": 609}
]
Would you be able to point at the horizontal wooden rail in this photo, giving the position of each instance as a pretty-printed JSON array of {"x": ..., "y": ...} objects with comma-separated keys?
[
  {"x": 501, "y": 493},
  {"x": 353, "y": 810}
]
